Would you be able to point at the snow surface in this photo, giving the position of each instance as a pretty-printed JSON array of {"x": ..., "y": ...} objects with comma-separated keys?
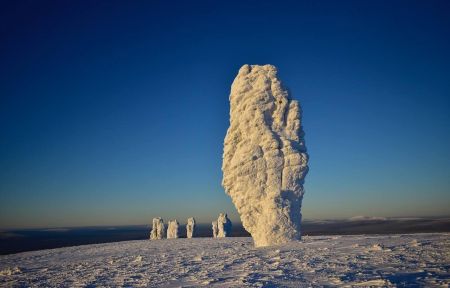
[
  {"x": 264, "y": 157},
  {"x": 414, "y": 260}
]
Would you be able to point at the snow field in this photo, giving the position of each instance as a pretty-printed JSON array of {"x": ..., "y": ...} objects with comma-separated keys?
[{"x": 391, "y": 260}]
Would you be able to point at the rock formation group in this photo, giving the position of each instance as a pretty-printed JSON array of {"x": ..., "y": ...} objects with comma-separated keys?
[
  {"x": 264, "y": 161},
  {"x": 220, "y": 228}
]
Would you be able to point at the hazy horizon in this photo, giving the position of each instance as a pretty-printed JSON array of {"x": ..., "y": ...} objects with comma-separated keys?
[
  {"x": 20, "y": 240},
  {"x": 235, "y": 222}
]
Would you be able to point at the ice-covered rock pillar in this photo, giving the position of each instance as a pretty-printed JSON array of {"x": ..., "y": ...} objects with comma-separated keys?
[
  {"x": 215, "y": 229},
  {"x": 264, "y": 157},
  {"x": 223, "y": 226},
  {"x": 158, "y": 231},
  {"x": 190, "y": 228},
  {"x": 173, "y": 229}
]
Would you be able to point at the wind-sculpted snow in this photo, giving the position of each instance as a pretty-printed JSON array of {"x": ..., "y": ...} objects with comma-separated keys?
[
  {"x": 415, "y": 260},
  {"x": 190, "y": 228},
  {"x": 158, "y": 229},
  {"x": 264, "y": 158},
  {"x": 173, "y": 229}
]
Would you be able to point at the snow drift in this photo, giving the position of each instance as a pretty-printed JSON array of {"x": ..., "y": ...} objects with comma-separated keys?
[{"x": 264, "y": 158}]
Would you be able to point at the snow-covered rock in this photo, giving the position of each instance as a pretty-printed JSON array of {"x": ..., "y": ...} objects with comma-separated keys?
[
  {"x": 215, "y": 229},
  {"x": 190, "y": 228},
  {"x": 223, "y": 226},
  {"x": 158, "y": 229},
  {"x": 264, "y": 158},
  {"x": 173, "y": 229}
]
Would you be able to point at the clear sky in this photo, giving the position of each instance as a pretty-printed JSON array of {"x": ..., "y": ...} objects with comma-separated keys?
[{"x": 114, "y": 112}]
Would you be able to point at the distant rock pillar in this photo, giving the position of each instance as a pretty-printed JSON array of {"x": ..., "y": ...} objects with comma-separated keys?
[
  {"x": 190, "y": 228},
  {"x": 224, "y": 226},
  {"x": 173, "y": 229},
  {"x": 215, "y": 229},
  {"x": 158, "y": 231}
]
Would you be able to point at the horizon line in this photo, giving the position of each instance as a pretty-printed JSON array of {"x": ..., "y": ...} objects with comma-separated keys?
[{"x": 353, "y": 218}]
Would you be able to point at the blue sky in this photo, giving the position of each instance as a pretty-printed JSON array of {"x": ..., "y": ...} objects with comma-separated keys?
[{"x": 114, "y": 112}]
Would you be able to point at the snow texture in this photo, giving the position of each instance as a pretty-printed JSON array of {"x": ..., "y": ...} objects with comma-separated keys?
[
  {"x": 415, "y": 260},
  {"x": 264, "y": 157},
  {"x": 158, "y": 229},
  {"x": 215, "y": 229},
  {"x": 190, "y": 228},
  {"x": 173, "y": 229},
  {"x": 223, "y": 226}
]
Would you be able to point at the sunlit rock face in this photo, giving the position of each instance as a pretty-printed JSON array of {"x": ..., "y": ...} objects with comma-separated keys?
[
  {"x": 223, "y": 226},
  {"x": 264, "y": 158},
  {"x": 190, "y": 228},
  {"x": 158, "y": 229},
  {"x": 173, "y": 229}
]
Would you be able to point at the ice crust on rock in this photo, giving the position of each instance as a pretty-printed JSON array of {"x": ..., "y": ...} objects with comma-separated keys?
[
  {"x": 158, "y": 229},
  {"x": 173, "y": 229},
  {"x": 190, "y": 228},
  {"x": 264, "y": 158},
  {"x": 223, "y": 226}
]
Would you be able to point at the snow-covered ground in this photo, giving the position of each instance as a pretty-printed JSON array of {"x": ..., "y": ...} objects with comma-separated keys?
[{"x": 387, "y": 260}]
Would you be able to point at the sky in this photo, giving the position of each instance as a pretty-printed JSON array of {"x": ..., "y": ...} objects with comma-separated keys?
[{"x": 114, "y": 112}]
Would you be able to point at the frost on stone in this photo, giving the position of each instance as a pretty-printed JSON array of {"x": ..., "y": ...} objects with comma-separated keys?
[
  {"x": 158, "y": 229},
  {"x": 173, "y": 229},
  {"x": 215, "y": 229},
  {"x": 190, "y": 228},
  {"x": 223, "y": 226},
  {"x": 264, "y": 158}
]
